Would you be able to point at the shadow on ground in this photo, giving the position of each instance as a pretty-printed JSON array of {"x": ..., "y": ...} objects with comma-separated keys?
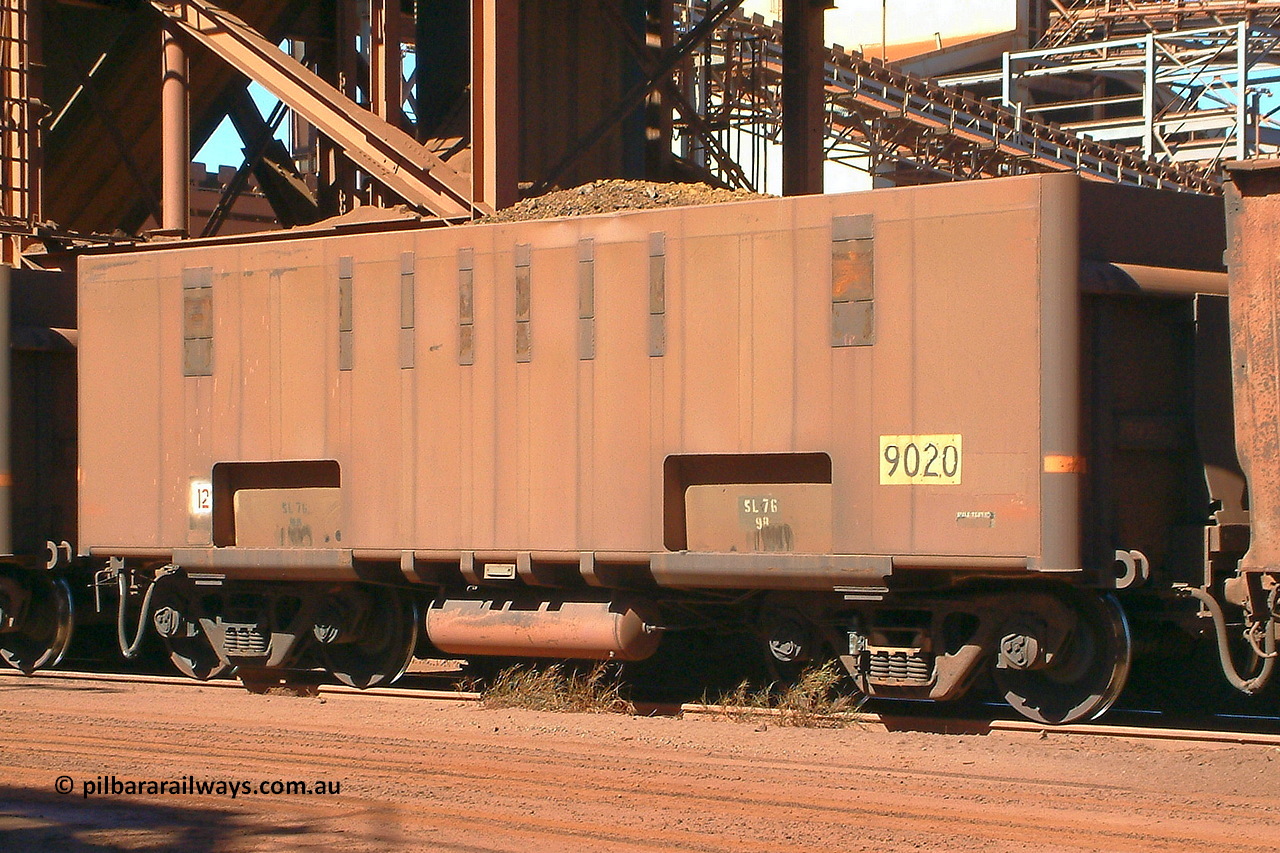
[{"x": 32, "y": 820}]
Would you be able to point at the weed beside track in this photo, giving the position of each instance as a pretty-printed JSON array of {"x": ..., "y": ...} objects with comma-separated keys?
[
  {"x": 812, "y": 701},
  {"x": 558, "y": 688}
]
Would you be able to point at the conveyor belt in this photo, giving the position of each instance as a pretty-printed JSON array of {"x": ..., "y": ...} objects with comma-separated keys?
[{"x": 941, "y": 134}]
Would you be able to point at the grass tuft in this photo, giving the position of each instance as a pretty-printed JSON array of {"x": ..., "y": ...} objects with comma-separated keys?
[
  {"x": 813, "y": 701},
  {"x": 557, "y": 688}
]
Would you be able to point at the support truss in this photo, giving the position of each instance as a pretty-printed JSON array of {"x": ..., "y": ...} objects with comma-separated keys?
[
  {"x": 902, "y": 126},
  {"x": 386, "y": 153},
  {"x": 1188, "y": 95}
]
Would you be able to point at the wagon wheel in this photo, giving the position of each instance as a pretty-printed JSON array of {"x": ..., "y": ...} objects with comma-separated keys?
[
  {"x": 189, "y": 648},
  {"x": 43, "y": 633},
  {"x": 790, "y": 642},
  {"x": 382, "y": 646},
  {"x": 1085, "y": 676}
]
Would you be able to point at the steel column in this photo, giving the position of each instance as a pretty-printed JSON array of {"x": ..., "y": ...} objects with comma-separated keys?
[
  {"x": 662, "y": 10},
  {"x": 442, "y": 70},
  {"x": 175, "y": 156},
  {"x": 6, "y": 462},
  {"x": 386, "y": 80},
  {"x": 803, "y": 109},
  {"x": 495, "y": 102},
  {"x": 1006, "y": 80},
  {"x": 1149, "y": 97},
  {"x": 1242, "y": 88},
  {"x": 336, "y": 65}
]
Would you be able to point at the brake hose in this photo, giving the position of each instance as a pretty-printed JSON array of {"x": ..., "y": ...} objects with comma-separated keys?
[
  {"x": 130, "y": 650},
  {"x": 1252, "y": 685}
]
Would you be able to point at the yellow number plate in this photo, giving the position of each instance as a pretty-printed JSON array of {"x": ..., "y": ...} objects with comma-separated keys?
[{"x": 920, "y": 460}]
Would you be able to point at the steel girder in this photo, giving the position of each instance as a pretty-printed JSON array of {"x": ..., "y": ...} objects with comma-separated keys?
[{"x": 386, "y": 153}]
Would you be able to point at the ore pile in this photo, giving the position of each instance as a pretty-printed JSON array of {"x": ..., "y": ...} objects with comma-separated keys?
[{"x": 615, "y": 195}]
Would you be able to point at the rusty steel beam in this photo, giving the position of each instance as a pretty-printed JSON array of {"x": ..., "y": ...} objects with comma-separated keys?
[
  {"x": 267, "y": 159},
  {"x": 803, "y": 112},
  {"x": 385, "y": 152},
  {"x": 291, "y": 199}
]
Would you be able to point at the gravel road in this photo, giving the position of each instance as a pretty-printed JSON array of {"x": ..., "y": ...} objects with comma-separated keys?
[{"x": 430, "y": 775}]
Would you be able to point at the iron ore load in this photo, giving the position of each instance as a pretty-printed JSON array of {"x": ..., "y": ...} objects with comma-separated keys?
[{"x": 939, "y": 433}]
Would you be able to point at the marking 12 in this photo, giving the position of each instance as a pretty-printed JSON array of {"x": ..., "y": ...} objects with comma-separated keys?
[{"x": 201, "y": 497}]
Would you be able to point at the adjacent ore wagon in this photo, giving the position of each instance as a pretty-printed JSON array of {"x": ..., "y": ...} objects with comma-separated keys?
[{"x": 934, "y": 432}]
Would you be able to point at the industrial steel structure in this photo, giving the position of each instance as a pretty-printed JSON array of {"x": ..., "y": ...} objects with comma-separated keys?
[
  {"x": 105, "y": 101},
  {"x": 1193, "y": 95},
  {"x": 905, "y": 128},
  {"x": 1174, "y": 82}
]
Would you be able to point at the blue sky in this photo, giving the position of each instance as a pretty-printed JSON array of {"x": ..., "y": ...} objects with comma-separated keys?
[{"x": 224, "y": 146}]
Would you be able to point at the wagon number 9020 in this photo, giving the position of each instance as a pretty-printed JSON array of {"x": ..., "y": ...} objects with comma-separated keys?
[{"x": 920, "y": 460}]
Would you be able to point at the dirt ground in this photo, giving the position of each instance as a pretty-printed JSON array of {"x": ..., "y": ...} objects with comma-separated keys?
[{"x": 431, "y": 775}]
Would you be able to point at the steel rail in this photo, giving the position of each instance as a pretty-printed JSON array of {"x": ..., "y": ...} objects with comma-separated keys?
[
  {"x": 888, "y": 721},
  {"x": 227, "y": 682}
]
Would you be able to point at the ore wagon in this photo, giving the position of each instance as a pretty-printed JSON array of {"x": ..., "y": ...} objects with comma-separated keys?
[{"x": 936, "y": 433}]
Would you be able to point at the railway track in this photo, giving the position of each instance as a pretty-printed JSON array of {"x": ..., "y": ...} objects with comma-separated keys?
[
  {"x": 448, "y": 776},
  {"x": 888, "y": 716}
]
